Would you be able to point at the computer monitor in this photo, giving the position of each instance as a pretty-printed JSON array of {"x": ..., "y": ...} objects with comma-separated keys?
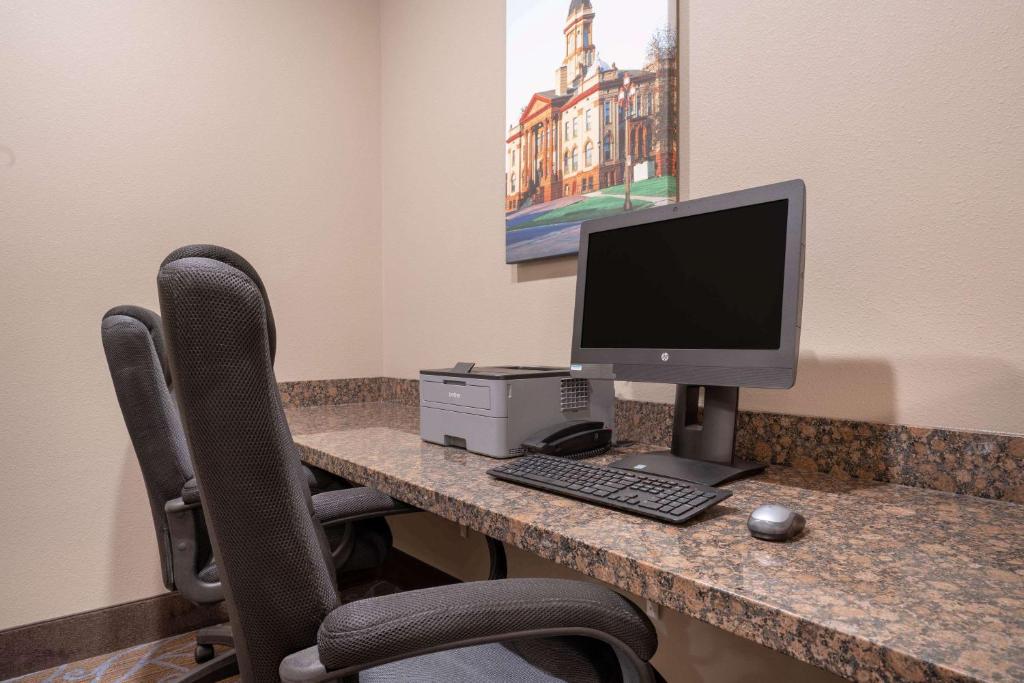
[{"x": 701, "y": 294}]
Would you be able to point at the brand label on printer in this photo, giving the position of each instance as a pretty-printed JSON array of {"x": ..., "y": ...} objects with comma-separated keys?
[{"x": 469, "y": 396}]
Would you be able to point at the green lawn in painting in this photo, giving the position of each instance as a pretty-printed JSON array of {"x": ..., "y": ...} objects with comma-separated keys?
[
  {"x": 662, "y": 186},
  {"x": 584, "y": 210}
]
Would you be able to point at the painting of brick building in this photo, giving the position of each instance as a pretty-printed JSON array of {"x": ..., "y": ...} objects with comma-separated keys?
[{"x": 592, "y": 117}]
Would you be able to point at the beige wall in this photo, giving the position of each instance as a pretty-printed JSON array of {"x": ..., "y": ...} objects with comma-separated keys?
[
  {"x": 128, "y": 128},
  {"x": 903, "y": 118}
]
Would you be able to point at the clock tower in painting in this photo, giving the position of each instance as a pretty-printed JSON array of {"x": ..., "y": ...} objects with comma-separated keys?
[{"x": 579, "y": 45}]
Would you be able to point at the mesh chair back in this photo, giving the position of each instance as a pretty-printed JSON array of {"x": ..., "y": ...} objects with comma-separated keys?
[
  {"x": 133, "y": 344},
  {"x": 271, "y": 556},
  {"x": 212, "y": 251}
]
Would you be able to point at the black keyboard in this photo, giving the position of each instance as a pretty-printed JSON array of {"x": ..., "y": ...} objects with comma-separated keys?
[{"x": 667, "y": 500}]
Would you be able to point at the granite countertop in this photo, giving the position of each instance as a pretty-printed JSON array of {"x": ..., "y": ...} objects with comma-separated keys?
[{"x": 887, "y": 583}]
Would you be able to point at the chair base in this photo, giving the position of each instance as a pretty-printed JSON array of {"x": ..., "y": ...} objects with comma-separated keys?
[
  {"x": 211, "y": 666},
  {"x": 220, "y": 667},
  {"x": 204, "y": 653},
  {"x": 215, "y": 635}
]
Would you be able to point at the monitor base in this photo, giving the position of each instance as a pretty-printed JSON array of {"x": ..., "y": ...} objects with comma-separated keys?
[{"x": 666, "y": 464}]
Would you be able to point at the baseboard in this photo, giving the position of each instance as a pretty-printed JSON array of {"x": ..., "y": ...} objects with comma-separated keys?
[{"x": 44, "y": 644}]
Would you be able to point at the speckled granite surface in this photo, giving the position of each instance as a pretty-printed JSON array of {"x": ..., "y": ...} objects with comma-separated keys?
[
  {"x": 329, "y": 392},
  {"x": 405, "y": 391},
  {"x": 887, "y": 583},
  {"x": 325, "y": 392},
  {"x": 973, "y": 463}
]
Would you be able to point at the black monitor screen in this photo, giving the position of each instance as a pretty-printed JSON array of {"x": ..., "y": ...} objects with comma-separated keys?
[{"x": 707, "y": 281}]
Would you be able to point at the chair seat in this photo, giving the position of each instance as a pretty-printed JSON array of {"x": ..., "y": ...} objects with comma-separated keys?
[
  {"x": 549, "y": 660},
  {"x": 208, "y": 574}
]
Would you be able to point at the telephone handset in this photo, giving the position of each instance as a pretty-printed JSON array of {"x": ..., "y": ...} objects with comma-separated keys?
[{"x": 577, "y": 439}]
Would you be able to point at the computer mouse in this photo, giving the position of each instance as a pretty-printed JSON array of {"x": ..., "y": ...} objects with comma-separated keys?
[{"x": 775, "y": 523}]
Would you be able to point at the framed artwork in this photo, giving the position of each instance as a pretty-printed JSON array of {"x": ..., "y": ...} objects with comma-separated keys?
[{"x": 592, "y": 117}]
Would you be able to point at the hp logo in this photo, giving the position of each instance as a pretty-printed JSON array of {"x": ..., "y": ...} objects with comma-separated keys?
[{"x": 664, "y": 357}]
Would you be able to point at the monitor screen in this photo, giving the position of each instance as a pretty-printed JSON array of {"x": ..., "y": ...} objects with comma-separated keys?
[{"x": 706, "y": 281}]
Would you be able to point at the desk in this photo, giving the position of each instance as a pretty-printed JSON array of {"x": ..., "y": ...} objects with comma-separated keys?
[{"x": 888, "y": 582}]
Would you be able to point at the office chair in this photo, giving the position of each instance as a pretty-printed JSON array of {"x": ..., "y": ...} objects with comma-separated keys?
[
  {"x": 133, "y": 344},
  {"x": 284, "y": 611}
]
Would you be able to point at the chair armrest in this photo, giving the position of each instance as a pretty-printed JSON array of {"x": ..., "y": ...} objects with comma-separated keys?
[
  {"x": 181, "y": 527},
  {"x": 368, "y": 633},
  {"x": 350, "y": 505},
  {"x": 316, "y": 482},
  {"x": 318, "y": 479},
  {"x": 190, "y": 492}
]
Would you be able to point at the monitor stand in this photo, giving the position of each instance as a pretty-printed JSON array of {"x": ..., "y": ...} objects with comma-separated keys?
[{"x": 701, "y": 450}]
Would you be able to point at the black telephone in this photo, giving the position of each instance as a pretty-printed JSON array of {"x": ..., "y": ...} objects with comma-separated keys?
[{"x": 577, "y": 439}]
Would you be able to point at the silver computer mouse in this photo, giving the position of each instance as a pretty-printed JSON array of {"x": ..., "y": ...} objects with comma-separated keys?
[{"x": 775, "y": 523}]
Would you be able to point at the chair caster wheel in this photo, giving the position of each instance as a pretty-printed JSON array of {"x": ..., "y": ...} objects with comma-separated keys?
[{"x": 204, "y": 653}]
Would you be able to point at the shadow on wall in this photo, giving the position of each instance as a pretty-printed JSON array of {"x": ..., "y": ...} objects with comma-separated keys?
[
  {"x": 546, "y": 269},
  {"x": 865, "y": 388},
  {"x": 859, "y": 388},
  {"x": 134, "y": 563},
  {"x": 948, "y": 391}
]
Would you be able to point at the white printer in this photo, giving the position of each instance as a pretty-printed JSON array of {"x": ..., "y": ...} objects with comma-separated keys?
[{"x": 494, "y": 410}]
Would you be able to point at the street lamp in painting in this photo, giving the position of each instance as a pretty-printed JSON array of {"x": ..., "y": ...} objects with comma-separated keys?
[{"x": 627, "y": 92}]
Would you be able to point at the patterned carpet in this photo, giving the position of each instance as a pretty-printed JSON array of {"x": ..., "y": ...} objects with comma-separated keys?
[{"x": 163, "y": 660}]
